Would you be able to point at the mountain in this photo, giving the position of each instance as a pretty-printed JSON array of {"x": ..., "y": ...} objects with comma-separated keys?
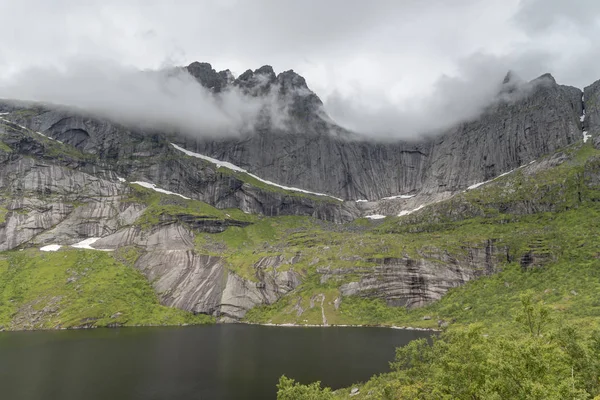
[
  {"x": 510, "y": 133},
  {"x": 267, "y": 225}
]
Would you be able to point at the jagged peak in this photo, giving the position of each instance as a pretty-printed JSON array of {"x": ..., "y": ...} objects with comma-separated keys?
[
  {"x": 202, "y": 65},
  {"x": 265, "y": 70},
  {"x": 545, "y": 77},
  {"x": 510, "y": 77},
  {"x": 292, "y": 79}
]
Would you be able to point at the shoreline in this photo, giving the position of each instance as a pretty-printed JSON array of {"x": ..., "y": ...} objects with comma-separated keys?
[
  {"x": 291, "y": 325},
  {"x": 284, "y": 325}
]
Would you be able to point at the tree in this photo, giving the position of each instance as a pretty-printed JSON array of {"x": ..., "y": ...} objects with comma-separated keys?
[{"x": 534, "y": 316}]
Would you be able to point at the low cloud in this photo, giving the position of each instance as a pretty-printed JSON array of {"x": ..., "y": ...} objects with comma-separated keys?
[
  {"x": 476, "y": 86},
  {"x": 169, "y": 99}
]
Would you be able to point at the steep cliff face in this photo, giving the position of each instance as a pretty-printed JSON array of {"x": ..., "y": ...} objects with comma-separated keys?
[
  {"x": 523, "y": 126},
  {"x": 509, "y": 135},
  {"x": 591, "y": 97},
  {"x": 105, "y": 148},
  {"x": 295, "y": 144}
]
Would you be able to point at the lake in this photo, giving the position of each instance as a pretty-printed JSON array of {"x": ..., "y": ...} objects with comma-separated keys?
[{"x": 229, "y": 361}]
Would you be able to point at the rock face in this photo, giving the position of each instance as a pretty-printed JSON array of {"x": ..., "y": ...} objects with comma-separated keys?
[
  {"x": 325, "y": 158},
  {"x": 203, "y": 284},
  {"x": 411, "y": 282},
  {"x": 112, "y": 149},
  {"x": 307, "y": 150},
  {"x": 591, "y": 96}
]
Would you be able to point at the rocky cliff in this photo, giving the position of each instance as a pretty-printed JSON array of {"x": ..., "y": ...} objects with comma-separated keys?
[{"x": 315, "y": 154}]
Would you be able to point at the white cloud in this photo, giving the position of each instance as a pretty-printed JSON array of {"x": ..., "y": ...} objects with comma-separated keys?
[{"x": 383, "y": 67}]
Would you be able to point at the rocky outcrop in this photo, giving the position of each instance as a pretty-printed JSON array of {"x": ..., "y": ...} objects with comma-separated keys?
[
  {"x": 203, "y": 284},
  {"x": 410, "y": 282}
]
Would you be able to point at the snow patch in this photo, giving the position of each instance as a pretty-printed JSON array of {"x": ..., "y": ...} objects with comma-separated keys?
[
  {"x": 361, "y": 201},
  {"x": 121, "y": 179},
  {"x": 476, "y": 185},
  {"x": 51, "y": 247},
  {"x": 400, "y": 196},
  {"x": 586, "y": 136},
  {"x": 375, "y": 216},
  {"x": 233, "y": 167},
  {"x": 152, "y": 186},
  {"x": 86, "y": 244},
  {"x": 408, "y": 212},
  {"x": 27, "y": 129}
]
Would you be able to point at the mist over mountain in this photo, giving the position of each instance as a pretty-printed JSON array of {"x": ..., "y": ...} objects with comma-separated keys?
[{"x": 200, "y": 102}]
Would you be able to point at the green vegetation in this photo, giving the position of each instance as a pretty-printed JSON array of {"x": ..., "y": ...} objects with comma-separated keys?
[
  {"x": 288, "y": 389},
  {"x": 70, "y": 288},
  {"x": 530, "y": 331},
  {"x": 465, "y": 363},
  {"x": 563, "y": 236}
]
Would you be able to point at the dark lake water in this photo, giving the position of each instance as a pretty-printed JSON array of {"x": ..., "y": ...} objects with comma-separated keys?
[{"x": 201, "y": 362}]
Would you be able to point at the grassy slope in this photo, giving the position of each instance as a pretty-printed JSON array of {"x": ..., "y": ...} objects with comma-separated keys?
[
  {"x": 72, "y": 287},
  {"x": 487, "y": 350},
  {"x": 569, "y": 282}
]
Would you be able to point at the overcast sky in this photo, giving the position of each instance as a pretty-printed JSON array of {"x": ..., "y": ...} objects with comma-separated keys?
[{"x": 383, "y": 66}]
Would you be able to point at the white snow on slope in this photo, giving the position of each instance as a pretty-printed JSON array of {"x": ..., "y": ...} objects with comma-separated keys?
[
  {"x": 27, "y": 129},
  {"x": 51, "y": 247},
  {"x": 375, "y": 216},
  {"x": 87, "y": 244},
  {"x": 586, "y": 136},
  {"x": 121, "y": 179},
  {"x": 361, "y": 201},
  {"x": 476, "y": 185},
  {"x": 152, "y": 186},
  {"x": 408, "y": 212},
  {"x": 400, "y": 196},
  {"x": 233, "y": 167}
]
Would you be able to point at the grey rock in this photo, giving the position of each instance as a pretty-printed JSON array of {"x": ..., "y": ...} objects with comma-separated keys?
[
  {"x": 202, "y": 284},
  {"x": 416, "y": 282},
  {"x": 591, "y": 95},
  {"x": 330, "y": 160},
  {"x": 209, "y": 78}
]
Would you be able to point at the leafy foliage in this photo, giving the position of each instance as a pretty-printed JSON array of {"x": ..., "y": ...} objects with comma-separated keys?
[
  {"x": 288, "y": 389},
  {"x": 465, "y": 363}
]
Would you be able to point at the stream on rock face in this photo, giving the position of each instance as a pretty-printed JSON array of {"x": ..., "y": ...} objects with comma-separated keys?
[{"x": 231, "y": 361}]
